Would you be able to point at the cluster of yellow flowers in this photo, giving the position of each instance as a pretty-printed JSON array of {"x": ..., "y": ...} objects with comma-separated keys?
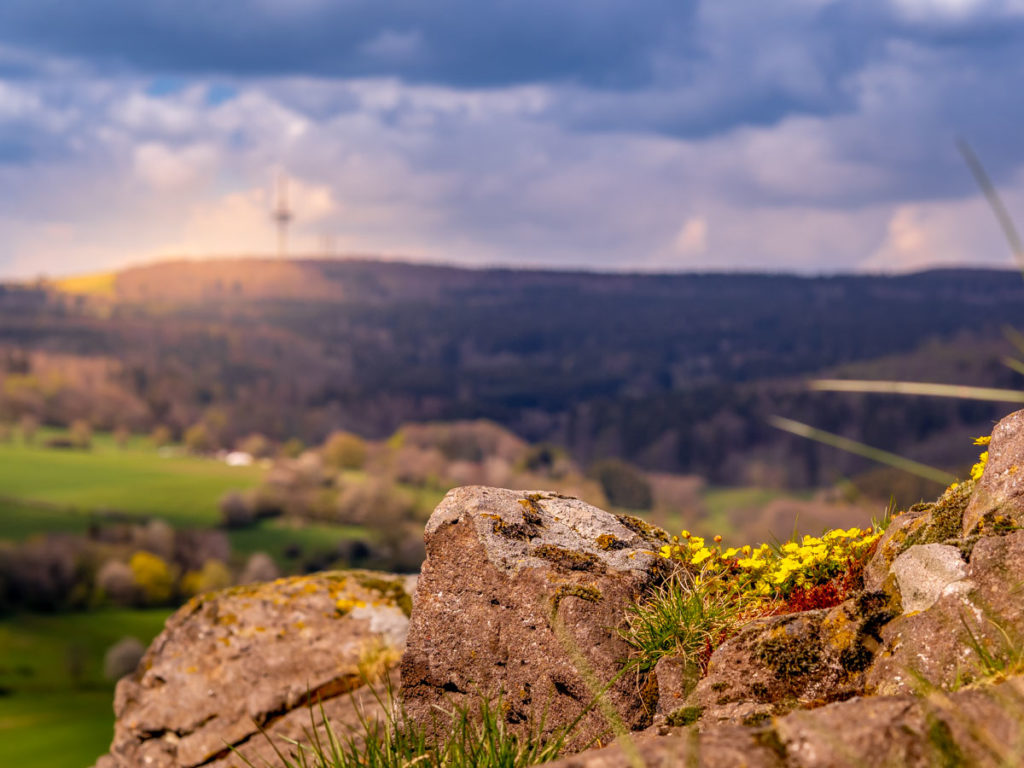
[
  {"x": 773, "y": 572},
  {"x": 978, "y": 468}
]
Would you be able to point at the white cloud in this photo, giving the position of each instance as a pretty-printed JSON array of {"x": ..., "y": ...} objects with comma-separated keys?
[{"x": 692, "y": 237}]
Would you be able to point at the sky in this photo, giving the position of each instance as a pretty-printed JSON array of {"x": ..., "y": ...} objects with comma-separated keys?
[{"x": 813, "y": 136}]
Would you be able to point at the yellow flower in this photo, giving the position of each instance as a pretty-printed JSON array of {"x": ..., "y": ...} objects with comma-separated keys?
[
  {"x": 666, "y": 551},
  {"x": 983, "y": 440},
  {"x": 700, "y": 557},
  {"x": 979, "y": 468}
]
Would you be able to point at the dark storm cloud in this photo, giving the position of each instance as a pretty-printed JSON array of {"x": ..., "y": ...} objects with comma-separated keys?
[{"x": 456, "y": 42}]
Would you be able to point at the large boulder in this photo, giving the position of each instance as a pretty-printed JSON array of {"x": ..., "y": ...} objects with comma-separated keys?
[
  {"x": 520, "y": 599},
  {"x": 264, "y": 656},
  {"x": 998, "y": 498}
]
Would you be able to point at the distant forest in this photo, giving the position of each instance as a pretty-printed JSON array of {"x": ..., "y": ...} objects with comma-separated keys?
[{"x": 677, "y": 373}]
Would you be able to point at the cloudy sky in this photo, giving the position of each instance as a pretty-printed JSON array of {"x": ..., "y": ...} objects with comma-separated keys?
[{"x": 802, "y": 135}]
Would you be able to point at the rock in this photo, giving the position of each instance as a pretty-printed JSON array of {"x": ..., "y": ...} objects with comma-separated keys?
[
  {"x": 676, "y": 679},
  {"x": 998, "y": 499},
  {"x": 924, "y": 571},
  {"x": 721, "y": 747},
  {"x": 520, "y": 598},
  {"x": 781, "y": 662},
  {"x": 977, "y": 727},
  {"x": 903, "y": 526},
  {"x": 230, "y": 662},
  {"x": 935, "y": 647}
]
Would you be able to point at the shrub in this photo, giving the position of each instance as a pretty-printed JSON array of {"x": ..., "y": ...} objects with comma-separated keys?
[
  {"x": 623, "y": 485},
  {"x": 236, "y": 511},
  {"x": 256, "y": 445},
  {"x": 260, "y": 567},
  {"x": 28, "y": 426},
  {"x": 292, "y": 448},
  {"x": 198, "y": 438},
  {"x": 214, "y": 575},
  {"x": 122, "y": 658},
  {"x": 343, "y": 450},
  {"x": 116, "y": 581},
  {"x": 80, "y": 434},
  {"x": 153, "y": 576},
  {"x": 161, "y": 435}
]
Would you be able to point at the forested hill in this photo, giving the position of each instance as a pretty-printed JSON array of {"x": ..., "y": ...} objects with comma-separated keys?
[{"x": 677, "y": 372}]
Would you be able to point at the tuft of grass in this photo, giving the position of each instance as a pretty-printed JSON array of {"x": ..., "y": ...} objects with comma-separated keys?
[
  {"x": 687, "y": 616},
  {"x": 466, "y": 737}
]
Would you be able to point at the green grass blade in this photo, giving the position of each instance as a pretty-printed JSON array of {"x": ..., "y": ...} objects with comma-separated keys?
[
  {"x": 1014, "y": 364},
  {"x": 994, "y": 201},
  {"x": 860, "y": 449},
  {"x": 921, "y": 388}
]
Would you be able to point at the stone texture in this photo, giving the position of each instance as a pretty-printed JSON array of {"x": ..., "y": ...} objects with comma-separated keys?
[
  {"x": 521, "y": 591},
  {"x": 924, "y": 571},
  {"x": 893, "y": 542},
  {"x": 230, "y": 661},
  {"x": 935, "y": 646},
  {"x": 676, "y": 679},
  {"x": 778, "y": 663},
  {"x": 998, "y": 499},
  {"x": 976, "y": 727}
]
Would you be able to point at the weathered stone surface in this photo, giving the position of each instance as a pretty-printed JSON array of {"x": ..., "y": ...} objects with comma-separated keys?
[
  {"x": 976, "y": 727},
  {"x": 935, "y": 645},
  {"x": 998, "y": 499},
  {"x": 251, "y": 656},
  {"x": 521, "y": 591},
  {"x": 676, "y": 679},
  {"x": 722, "y": 747},
  {"x": 893, "y": 542},
  {"x": 782, "y": 662},
  {"x": 924, "y": 571}
]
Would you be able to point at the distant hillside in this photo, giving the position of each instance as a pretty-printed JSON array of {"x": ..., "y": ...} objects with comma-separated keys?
[{"x": 677, "y": 372}]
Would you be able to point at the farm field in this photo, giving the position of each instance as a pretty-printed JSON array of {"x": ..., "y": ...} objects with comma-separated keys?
[
  {"x": 135, "y": 480},
  {"x": 55, "y": 705}
]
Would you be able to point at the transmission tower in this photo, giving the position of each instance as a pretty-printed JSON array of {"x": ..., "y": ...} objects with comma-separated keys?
[{"x": 282, "y": 214}]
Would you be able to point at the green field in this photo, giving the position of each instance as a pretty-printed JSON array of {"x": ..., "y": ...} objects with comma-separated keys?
[
  {"x": 136, "y": 480},
  {"x": 55, "y": 706}
]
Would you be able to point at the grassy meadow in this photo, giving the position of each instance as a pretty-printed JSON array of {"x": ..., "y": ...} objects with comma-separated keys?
[{"x": 56, "y": 708}]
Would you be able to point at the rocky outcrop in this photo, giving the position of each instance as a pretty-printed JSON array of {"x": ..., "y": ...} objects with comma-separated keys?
[
  {"x": 998, "y": 500},
  {"x": 976, "y": 727},
  {"x": 519, "y": 599},
  {"x": 781, "y": 663},
  {"x": 231, "y": 663},
  {"x": 975, "y": 617}
]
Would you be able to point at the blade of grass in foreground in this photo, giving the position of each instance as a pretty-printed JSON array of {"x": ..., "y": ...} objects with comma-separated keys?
[
  {"x": 925, "y": 389},
  {"x": 994, "y": 201},
  {"x": 867, "y": 451}
]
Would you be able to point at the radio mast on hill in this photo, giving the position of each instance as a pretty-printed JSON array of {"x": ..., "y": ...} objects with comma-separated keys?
[{"x": 282, "y": 214}]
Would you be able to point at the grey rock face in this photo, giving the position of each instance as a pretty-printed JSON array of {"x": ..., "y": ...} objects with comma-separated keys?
[
  {"x": 520, "y": 598},
  {"x": 230, "y": 662},
  {"x": 924, "y": 572}
]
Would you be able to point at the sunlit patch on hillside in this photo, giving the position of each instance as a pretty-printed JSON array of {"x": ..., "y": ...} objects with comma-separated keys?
[{"x": 98, "y": 284}]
